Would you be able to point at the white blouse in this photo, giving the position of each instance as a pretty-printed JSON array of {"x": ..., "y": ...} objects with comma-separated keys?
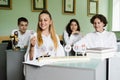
[
  {"x": 97, "y": 39},
  {"x": 72, "y": 38},
  {"x": 47, "y": 47}
]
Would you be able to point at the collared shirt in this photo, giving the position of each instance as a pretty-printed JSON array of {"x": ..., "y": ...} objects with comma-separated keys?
[{"x": 99, "y": 39}]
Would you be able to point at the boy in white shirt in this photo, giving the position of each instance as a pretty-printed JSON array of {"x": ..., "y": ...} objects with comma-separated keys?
[{"x": 22, "y": 34}]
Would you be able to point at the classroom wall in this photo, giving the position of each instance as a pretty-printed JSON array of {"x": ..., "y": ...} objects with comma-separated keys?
[{"x": 8, "y": 18}]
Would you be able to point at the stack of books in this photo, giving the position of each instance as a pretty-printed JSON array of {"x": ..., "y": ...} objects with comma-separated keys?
[{"x": 100, "y": 52}]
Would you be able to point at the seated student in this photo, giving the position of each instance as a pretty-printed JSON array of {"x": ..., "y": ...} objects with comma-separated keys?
[
  {"x": 22, "y": 33},
  {"x": 100, "y": 37},
  {"x": 45, "y": 41},
  {"x": 72, "y": 33}
]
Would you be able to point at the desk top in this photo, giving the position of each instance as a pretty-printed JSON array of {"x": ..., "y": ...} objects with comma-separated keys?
[
  {"x": 20, "y": 50},
  {"x": 71, "y": 62},
  {"x": 90, "y": 64}
]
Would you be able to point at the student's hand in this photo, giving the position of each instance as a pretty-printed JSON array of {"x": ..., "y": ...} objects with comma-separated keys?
[
  {"x": 33, "y": 41},
  {"x": 75, "y": 32},
  {"x": 25, "y": 47}
]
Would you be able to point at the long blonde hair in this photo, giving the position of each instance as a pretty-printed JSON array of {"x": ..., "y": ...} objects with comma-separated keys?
[{"x": 51, "y": 29}]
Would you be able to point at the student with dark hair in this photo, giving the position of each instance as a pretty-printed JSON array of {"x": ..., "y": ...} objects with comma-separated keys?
[
  {"x": 100, "y": 37},
  {"x": 21, "y": 34},
  {"x": 72, "y": 34}
]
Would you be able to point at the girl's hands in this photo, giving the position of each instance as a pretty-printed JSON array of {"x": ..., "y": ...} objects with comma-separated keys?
[
  {"x": 75, "y": 32},
  {"x": 33, "y": 41}
]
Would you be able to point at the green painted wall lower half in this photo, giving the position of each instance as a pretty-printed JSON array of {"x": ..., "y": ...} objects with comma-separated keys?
[{"x": 8, "y": 18}]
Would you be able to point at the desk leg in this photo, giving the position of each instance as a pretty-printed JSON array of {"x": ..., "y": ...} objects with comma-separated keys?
[{"x": 107, "y": 69}]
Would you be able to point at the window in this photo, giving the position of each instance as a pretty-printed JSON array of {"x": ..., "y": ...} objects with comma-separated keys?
[{"x": 116, "y": 15}]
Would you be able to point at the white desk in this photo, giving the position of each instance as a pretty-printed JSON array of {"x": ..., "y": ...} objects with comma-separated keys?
[
  {"x": 94, "y": 69},
  {"x": 118, "y": 46},
  {"x": 114, "y": 67}
]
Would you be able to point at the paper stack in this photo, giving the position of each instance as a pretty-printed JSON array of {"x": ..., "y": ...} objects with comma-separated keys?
[{"x": 100, "y": 52}]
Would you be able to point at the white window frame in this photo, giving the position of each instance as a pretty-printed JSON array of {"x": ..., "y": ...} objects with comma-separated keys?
[{"x": 116, "y": 16}]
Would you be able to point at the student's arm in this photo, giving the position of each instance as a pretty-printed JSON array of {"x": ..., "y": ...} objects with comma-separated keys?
[
  {"x": 113, "y": 41},
  {"x": 60, "y": 49},
  {"x": 32, "y": 45},
  {"x": 29, "y": 53},
  {"x": 68, "y": 39}
]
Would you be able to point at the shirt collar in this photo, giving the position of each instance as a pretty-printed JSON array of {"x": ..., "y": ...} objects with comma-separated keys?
[{"x": 100, "y": 33}]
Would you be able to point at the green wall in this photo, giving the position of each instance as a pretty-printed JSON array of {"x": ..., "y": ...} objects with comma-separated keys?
[{"x": 8, "y": 18}]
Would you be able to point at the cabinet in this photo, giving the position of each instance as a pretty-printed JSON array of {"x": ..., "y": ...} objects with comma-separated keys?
[
  {"x": 14, "y": 66},
  {"x": 11, "y": 66},
  {"x": 3, "y": 47}
]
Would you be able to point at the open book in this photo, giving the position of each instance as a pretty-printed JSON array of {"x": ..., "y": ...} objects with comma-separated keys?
[{"x": 51, "y": 60}]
